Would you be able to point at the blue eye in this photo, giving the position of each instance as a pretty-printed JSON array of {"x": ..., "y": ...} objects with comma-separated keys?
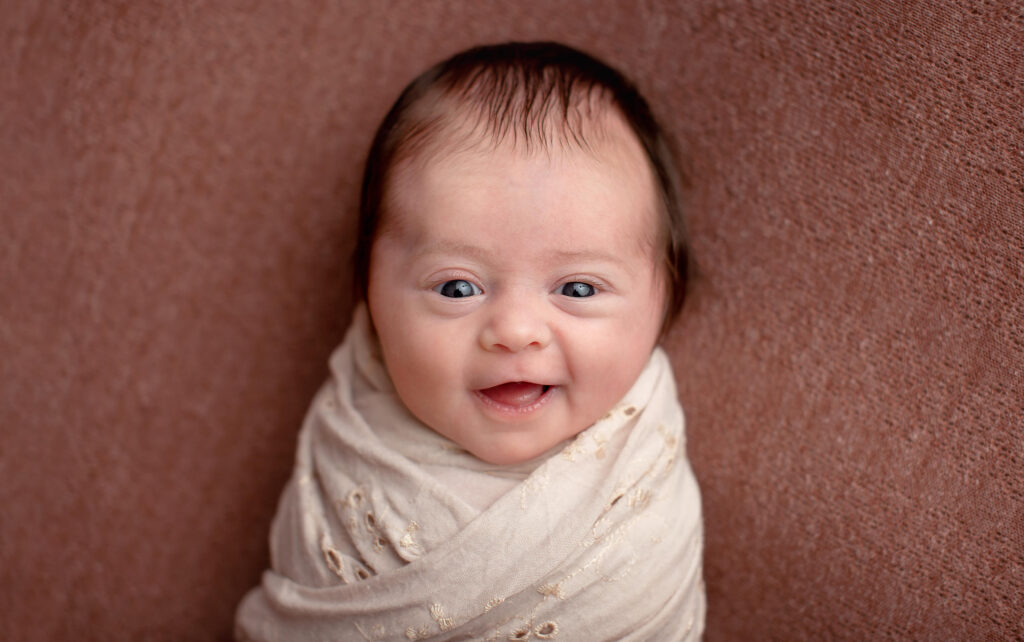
[
  {"x": 456, "y": 289},
  {"x": 578, "y": 289}
]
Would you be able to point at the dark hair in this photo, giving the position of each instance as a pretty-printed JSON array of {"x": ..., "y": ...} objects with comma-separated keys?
[{"x": 514, "y": 88}]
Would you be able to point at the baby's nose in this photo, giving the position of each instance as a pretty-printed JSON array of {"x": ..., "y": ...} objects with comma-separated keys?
[{"x": 515, "y": 325}]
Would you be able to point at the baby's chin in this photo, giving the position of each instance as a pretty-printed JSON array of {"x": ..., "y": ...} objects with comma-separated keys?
[{"x": 515, "y": 450}]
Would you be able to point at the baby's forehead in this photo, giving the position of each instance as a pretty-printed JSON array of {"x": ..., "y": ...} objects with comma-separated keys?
[
  {"x": 607, "y": 175},
  {"x": 460, "y": 176}
]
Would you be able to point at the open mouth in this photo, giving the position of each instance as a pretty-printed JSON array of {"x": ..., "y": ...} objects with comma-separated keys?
[{"x": 519, "y": 396}]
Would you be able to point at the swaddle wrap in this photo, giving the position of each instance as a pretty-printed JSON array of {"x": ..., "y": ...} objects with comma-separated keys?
[{"x": 389, "y": 531}]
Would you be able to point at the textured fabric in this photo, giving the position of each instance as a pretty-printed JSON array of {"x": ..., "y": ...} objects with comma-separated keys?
[
  {"x": 389, "y": 531},
  {"x": 178, "y": 183}
]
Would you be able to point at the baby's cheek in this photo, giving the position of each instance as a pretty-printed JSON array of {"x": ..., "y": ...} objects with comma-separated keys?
[
  {"x": 429, "y": 363},
  {"x": 432, "y": 359}
]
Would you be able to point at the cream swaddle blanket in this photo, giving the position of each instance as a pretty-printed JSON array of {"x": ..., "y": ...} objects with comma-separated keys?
[{"x": 389, "y": 531}]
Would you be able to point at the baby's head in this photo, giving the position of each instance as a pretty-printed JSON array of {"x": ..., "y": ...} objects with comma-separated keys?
[{"x": 521, "y": 246}]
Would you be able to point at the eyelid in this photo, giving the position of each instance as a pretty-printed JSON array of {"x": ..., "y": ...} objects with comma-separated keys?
[{"x": 443, "y": 276}]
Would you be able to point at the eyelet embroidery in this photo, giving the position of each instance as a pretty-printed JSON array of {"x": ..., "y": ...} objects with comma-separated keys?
[
  {"x": 334, "y": 561},
  {"x": 421, "y": 633},
  {"x": 444, "y": 622},
  {"x": 408, "y": 540},
  {"x": 493, "y": 602},
  {"x": 546, "y": 631}
]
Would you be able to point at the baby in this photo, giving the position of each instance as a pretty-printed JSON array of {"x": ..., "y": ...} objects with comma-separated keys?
[{"x": 499, "y": 453}]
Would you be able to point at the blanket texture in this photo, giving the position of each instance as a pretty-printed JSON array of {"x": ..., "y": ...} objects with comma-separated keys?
[{"x": 388, "y": 531}]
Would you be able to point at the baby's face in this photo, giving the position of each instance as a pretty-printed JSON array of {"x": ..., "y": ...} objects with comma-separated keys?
[{"x": 518, "y": 295}]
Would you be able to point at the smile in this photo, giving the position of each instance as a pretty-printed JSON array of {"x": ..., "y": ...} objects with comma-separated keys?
[{"x": 516, "y": 397}]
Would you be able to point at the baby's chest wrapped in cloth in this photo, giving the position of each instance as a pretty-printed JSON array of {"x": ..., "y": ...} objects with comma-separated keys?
[{"x": 374, "y": 540}]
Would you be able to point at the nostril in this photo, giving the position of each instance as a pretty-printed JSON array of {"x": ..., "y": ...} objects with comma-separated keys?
[{"x": 514, "y": 330}]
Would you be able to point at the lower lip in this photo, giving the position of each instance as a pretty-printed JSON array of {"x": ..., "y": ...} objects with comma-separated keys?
[{"x": 516, "y": 412}]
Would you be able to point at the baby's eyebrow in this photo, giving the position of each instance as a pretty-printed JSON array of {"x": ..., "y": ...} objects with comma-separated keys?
[
  {"x": 569, "y": 256},
  {"x": 480, "y": 253},
  {"x": 452, "y": 247}
]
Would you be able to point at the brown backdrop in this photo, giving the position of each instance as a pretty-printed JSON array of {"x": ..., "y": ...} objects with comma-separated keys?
[{"x": 178, "y": 183}]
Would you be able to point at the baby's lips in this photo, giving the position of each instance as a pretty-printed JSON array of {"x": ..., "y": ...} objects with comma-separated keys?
[{"x": 515, "y": 393}]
